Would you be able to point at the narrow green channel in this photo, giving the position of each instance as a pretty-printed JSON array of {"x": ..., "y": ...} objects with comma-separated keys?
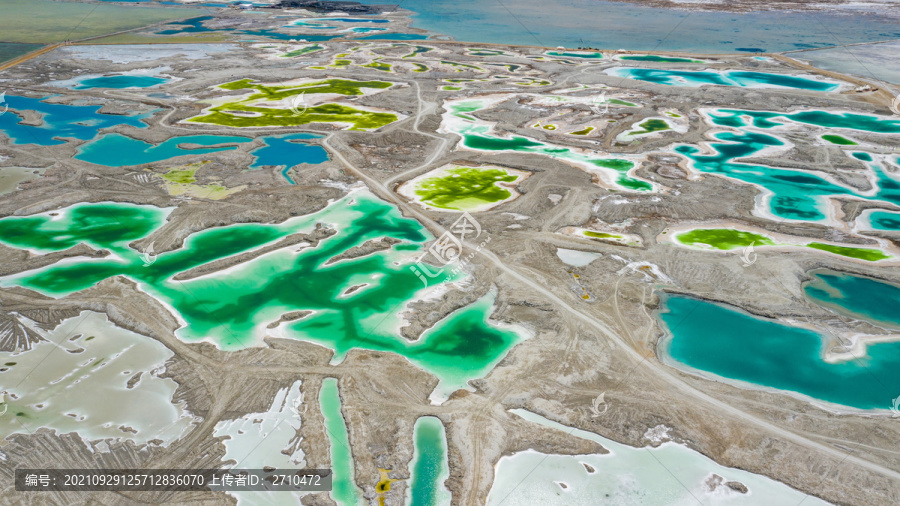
[
  {"x": 429, "y": 467},
  {"x": 343, "y": 491}
]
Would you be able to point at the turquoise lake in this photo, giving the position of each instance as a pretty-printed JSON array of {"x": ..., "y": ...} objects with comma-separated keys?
[
  {"x": 120, "y": 82},
  {"x": 884, "y": 220},
  {"x": 117, "y": 150},
  {"x": 736, "y": 345},
  {"x": 429, "y": 468},
  {"x": 60, "y": 121},
  {"x": 728, "y": 78},
  {"x": 856, "y": 297},
  {"x": 797, "y": 195},
  {"x": 285, "y": 151}
]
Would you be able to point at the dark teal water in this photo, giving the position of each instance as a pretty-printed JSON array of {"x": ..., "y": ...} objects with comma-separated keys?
[
  {"x": 857, "y": 297},
  {"x": 736, "y": 345},
  {"x": 232, "y": 308}
]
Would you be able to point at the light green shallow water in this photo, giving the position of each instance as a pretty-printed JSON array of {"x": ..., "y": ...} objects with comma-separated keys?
[
  {"x": 232, "y": 308},
  {"x": 429, "y": 468},
  {"x": 344, "y": 490}
]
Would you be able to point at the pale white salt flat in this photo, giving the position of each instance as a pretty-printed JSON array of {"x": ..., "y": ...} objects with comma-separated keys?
[
  {"x": 671, "y": 474},
  {"x": 78, "y": 381},
  {"x": 576, "y": 258}
]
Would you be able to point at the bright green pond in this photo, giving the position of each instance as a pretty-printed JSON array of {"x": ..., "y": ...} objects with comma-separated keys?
[{"x": 232, "y": 308}]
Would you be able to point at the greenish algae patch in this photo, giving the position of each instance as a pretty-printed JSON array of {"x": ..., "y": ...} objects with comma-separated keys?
[
  {"x": 462, "y": 188},
  {"x": 451, "y": 88},
  {"x": 723, "y": 238},
  {"x": 867, "y": 254},
  {"x": 652, "y": 125},
  {"x": 303, "y": 50},
  {"x": 378, "y": 65},
  {"x": 182, "y": 181},
  {"x": 601, "y": 235},
  {"x": 583, "y": 131},
  {"x": 420, "y": 67},
  {"x": 839, "y": 140},
  {"x": 248, "y": 112}
]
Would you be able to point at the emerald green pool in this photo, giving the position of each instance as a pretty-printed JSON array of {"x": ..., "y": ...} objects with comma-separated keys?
[
  {"x": 652, "y": 125},
  {"x": 344, "y": 490},
  {"x": 231, "y": 308},
  {"x": 733, "y": 344},
  {"x": 839, "y": 140},
  {"x": 464, "y": 188},
  {"x": 429, "y": 468},
  {"x": 868, "y": 254}
]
